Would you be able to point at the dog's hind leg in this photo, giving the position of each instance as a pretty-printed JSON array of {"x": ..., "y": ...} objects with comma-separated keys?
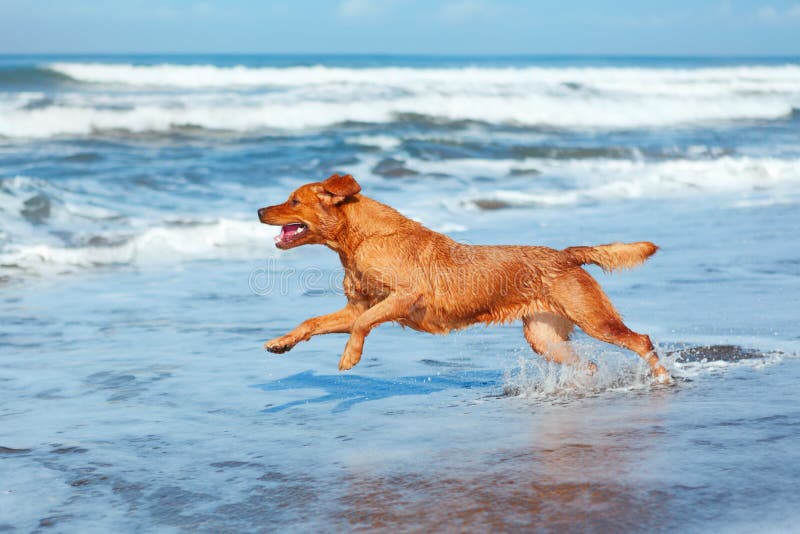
[
  {"x": 548, "y": 335},
  {"x": 585, "y": 303}
]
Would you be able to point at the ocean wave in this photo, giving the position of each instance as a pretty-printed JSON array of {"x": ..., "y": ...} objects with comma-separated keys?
[
  {"x": 703, "y": 81},
  {"x": 161, "y": 98},
  {"x": 569, "y": 182},
  {"x": 30, "y": 208},
  {"x": 65, "y": 225},
  {"x": 57, "y": 227},
  {"x": 219, "y": 239},
  {"x": 33, "y": 77},
  {"x": 279, "y": 114}
]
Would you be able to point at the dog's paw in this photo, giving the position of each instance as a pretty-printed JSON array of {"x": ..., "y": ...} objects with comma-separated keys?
[
  {"x": 348, "y": 360},
  {"x": 662, "y": 376},
  {"x": 279, "y": 345}
]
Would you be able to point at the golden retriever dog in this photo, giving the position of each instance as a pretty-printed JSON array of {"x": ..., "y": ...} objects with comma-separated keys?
[{"x": 398, "y": 270}]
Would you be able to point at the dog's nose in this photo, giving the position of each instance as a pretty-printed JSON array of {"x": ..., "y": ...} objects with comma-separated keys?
[{"x": 261, "y": 213}]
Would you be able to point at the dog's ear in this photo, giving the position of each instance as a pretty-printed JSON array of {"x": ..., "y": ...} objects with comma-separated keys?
[{"x": 339, "y": 187}]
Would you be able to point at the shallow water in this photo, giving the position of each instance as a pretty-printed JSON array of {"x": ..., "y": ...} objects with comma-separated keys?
[{"x": 138, "y": 288}]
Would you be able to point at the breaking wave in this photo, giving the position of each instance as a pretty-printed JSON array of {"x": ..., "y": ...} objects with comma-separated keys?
[
  {"x": 219, "y": 239},
  {"x": 244, "y": 99},
  {"x": 595, "y": 180},
  {"x": 52, "y": 229},
  {"x": 688, "y": 82}
]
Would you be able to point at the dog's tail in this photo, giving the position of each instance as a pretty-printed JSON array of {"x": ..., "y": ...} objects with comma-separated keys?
[{"x": 614, "y": 255}]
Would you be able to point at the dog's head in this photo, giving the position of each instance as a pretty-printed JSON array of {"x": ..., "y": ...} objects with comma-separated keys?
[{"x": 313, "y": 212}]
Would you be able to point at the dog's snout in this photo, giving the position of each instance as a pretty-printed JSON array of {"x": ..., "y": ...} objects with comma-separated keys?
[{"x": 261, "y": 212}]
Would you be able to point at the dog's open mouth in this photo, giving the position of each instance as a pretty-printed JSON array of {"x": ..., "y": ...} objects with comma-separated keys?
[{"x": 289, "y": 233}]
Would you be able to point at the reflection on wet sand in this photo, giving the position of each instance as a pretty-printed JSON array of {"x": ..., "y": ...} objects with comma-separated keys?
[
  {"x": 574, "y": 475},
  {"x": 500, "y": 502}
]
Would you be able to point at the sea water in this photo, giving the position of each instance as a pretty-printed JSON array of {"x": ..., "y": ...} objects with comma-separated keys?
[{"x": 137, "y": 288}]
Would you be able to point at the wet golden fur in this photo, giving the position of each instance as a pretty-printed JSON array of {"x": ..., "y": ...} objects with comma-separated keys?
[{"x": 398, "y": 270}]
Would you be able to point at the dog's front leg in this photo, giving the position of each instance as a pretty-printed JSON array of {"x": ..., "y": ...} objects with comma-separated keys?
[
  {"x": 337, "y": 322},
  {"x": 395, "y": 306}
]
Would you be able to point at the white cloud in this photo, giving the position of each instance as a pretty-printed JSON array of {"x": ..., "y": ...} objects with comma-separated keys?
[
  {"x": 463, "y": 10},
  {"x": 199, "y": 10},
  {"x": 652, "y": 21},
  {"x": 768, "y": 13},
  {"x": 165, "y": 12},
  {"x": 352, "y": 9},
  {"x": 203, "y": 9}
]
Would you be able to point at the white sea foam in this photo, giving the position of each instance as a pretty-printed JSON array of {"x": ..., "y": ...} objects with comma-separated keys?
[
  {"x": 161, "y": 97},
  {"x": 271, "y": 112},
  {"x": 220, "y": 239},
  {"x": 385, "y": 142},
  {"x": 704, "y": 81},
  {"x": 709, "y": 367},
  {"x": 616, "y": 179},
  {"x": 101, "y": 234},
  {"x": 76, "y": 231}
]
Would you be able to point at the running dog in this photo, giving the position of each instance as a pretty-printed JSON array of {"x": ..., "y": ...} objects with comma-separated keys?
[{"x": 398, "y": 270}]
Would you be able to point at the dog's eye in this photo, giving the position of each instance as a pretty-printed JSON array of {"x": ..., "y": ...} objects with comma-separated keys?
[{"x": 295, "y": 202}]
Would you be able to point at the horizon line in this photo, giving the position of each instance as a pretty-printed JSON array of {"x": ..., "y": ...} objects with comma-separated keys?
[{"x": 424, "y": 54}]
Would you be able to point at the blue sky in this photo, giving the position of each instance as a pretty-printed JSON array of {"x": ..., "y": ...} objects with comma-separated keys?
[{"x": 628, "y": 27}]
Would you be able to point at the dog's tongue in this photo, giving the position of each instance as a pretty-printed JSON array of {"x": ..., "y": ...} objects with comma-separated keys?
[{"x": 287, "y": 231}]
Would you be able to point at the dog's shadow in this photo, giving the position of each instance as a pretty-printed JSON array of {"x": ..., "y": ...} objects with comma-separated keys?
[{"x": 351, "y": 389}]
